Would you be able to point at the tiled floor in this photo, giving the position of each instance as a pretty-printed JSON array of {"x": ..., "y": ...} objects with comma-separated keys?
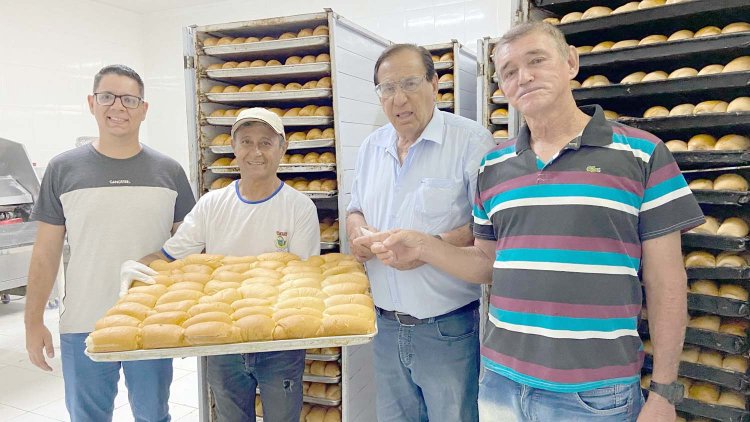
[{"x": 28, "y": 394}]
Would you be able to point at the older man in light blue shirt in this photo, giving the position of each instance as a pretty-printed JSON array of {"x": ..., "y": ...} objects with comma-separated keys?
[{"x": 419, "y": 172}]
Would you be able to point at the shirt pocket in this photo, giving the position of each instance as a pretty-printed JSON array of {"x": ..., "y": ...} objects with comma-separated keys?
[{"x": 434, "y": 201}]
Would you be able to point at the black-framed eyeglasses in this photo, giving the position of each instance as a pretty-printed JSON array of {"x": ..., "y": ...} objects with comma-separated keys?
[
  {"x": 107, "y": 99},
  {"x": 410, "y": 84}
]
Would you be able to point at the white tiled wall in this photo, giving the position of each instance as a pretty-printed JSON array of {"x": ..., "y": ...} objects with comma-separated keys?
[
  {"x": 47, "y": 73},
  {"x": 51, "y": 52}
]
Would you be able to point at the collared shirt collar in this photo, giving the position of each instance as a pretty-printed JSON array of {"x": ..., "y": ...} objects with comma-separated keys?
[
  {"x": 432, "y": 132},
  {"x": 597, "y": 133}
]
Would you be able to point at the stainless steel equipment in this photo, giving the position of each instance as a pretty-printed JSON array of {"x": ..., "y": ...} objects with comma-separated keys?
[{"x": 19, "y": 189}]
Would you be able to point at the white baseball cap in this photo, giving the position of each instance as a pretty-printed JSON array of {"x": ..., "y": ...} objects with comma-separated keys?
[{"x": 259, "y": 114}]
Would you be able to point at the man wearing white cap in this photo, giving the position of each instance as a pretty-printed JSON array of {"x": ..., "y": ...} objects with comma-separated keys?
[{"x": 256, "y": 214}]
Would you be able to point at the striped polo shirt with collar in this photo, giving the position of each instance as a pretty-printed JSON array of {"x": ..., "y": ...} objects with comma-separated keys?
[{"x": 566, "y": 291}]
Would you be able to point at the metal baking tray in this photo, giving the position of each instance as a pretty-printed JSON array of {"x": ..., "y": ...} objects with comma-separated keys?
[
  {"x": 718, "y": 273},
  {"x": 320, "y": 194},
  {"x": 723, "y": 48},
  {"x": 729, "y": 379},
  {"x": 272, "y": 73},
  {"x": 444, "y": 65},
  {"x": 325, "y": 358},
  {"x": 561, "y": 7},
  {"x": 691, "y": 14},
  {"x": 318, "y": 400},
  {"x": 316, "y": 143},
  {"x": 445, "y": 85},
  {"x": 321, "y": 379},
  {"x": 715, "y": 197},
  {"x": 225, "y": 349},
  {"x": 305, "y": 168},
  {"x": 708, "y": 123},
  {"x": 444, "y": 104},
  {"x": 224, "y": 169},
  {"x": 718, "y": 305},
  {"x": 293, "y": 95},
  {"x": 708, "y": 241},
  {"x": 499, "y": 140},
  {"x": 328, "y": 245},
  {"x": 499, "y": 120},
  {"x": 705, "y": 160},
  {"x": 728, "y": 343},
  {"x": 221, "y": 149},
  {"x": 298, "y": 46},
  {"x": 499, "y": 99},
  {"x": 719, "y": 84},
  {"x": 713, "y": 411},
  {"x": 288, "y": 121}
]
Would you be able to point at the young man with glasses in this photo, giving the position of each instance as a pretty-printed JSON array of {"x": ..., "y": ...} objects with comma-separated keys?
[
  {"x": 419, "y": 172},
  {"x": 115, "y": 199}
]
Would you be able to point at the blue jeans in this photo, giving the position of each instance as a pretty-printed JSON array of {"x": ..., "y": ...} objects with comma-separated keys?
[
  {"x": 501, "y": 399},
  {"x": 91, "y": 387},
  {"x": 428, "y": 371},
  {"x": 233, "y": 379}
]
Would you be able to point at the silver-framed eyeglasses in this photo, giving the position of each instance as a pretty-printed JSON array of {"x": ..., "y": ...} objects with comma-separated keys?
[
  {"x": 107, "y": 99},
  {"x": 388, "y": 89}
]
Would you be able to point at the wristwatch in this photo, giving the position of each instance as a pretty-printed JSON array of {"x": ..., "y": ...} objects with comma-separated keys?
[{"x": 674, "y": 392}]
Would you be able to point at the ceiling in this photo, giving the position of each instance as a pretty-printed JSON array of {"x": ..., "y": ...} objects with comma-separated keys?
[{"x": 148, "y": 6}]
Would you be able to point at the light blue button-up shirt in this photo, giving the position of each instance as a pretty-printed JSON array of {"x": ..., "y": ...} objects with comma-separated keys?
[{"x": 431, "y": 192}]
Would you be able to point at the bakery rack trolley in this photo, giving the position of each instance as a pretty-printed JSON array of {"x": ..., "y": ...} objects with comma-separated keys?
[
  {"x": 457, "y": 92},
  {"x": 345, "y": 53},
  {"x": 648, "y": 41}
]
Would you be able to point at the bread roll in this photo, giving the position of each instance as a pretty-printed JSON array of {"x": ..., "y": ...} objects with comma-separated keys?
[
  {"x": 733, "y": 227},
  {"x": 311, "y": 158},
  {"x": 162, "y": 336},
  {"x": 292, "y": 60},
  {"x": 701, "y": 184},
  {"x": 633, "y": 78},
  {"x": 207, "y": 317},
  {"x": 214, "y": 286},
  {"x": 297, "y": 136},
  {"x": 705, "y": 287},
  {"x": 332, "y": 369},
  {"x": 551, "y": 21},
  {"x": 738, "y": 105},
  {"x": 135, "y": 310},
  {"x": 627, "y": 7},
  {"x": 273, "y": 63},
  {"x": 182, "y": 305},
  {"x": 682, "y": 110},
  {"x": 301, "y": 292},
  {"x": 142, "y": 298},
  {"x": 584, "y": 49},
  {"x": 249, "y": 302},
  {"x": 740, "y": 64},
  {"x": 645, "y": 381},
  {"x": 710, "y": 358},
  {"x": 595, "y": 80},
  {"x": 731, "y": 399},
  {"x": 217, "y": 113},
  {"x": 735, "y": 363},
  {"x": 656, "y": 111},
  {"x": 231, "y": 89},
  {"x": 500, "y": 112},
  {"x": 114, "y": 339},
  {"x": 328, "y": 133},
  {"x": 711, "y": 106},
  {"x": 683, "y": 72},
  {"x": 705, "y": 322},
  {"x": 701, "y": 142},
  {"x": 317, "y": 390},
  {"x": 358, "y": 299},
  {"x": 574, "y": 84},
  {"x": 736, "y": 27},
  {"x": 707, "y": 31},
  {"x": 624, "y": 44},
  {"x": 322, "y": 58},
  {"x": 705, "y": 392},
  {"x": 259, "y": 291},
  {"x": 171, "y": 318},
  {"x": 700, "y": 259},
  {"x": 602, "y": 46},
  {"x": 711, "y": 69},
  {"x": 305, "y": 32},
  {"x": 733, "y": 291},
  {"x": 225, "y": 41},
  {"x": 327, "y": 158},
  {"x": 307, "y": 59},
  {"x": 359, "y": 311},
  {"x": 730, "y": 259},
  {"x": 711, "y": 226},
  {"x": 676, "y": 145},
  {"x": 734, "y": 326},
  {"x": 117, "y": 321},
  {"x": 682, "y": 34},
  {"x": 652, "y": 39},
  {"x": 596, "y": 12},
  {"x": 320, "y": 30},
  {"x": 179, "y": 295},
  {"x": 342, "y": 325},
  {"x": 731, "y": 182},
  {"x": 287, "y": 312},
  {"x": 212, "y": 332},
  {"x": 647, "y": 4},
  {"x": 333, "y": 392},
  {"x": 201, "y": 308},
  {"x": 498, "y": 93},
  {"x": 500, "y": 133},
  {"x": 210, "y": 42},
  {"x": 296, "y": 326},
  {"x": 324, "y": 82},
  {"x": 308, "y": 110},
  {"x": 571, "y": 17},
  {"x": 329, "y": 185},
  {"x": 318, "y": 368},
  {"x": 313, "y": 134},
  {"x": 657, "y": 75},
  {"x": 252, "y": 310},
  {"x": 302, "y": 302},
  {"x": 216, "y": 89},
  {"x": 292, "y": 86},
  {"x": 256, "y": 328},
  {"x": 262, "y": 272},
  {"x": 448, "y": 77},
  {"x": 689, "y": 354},
  {"x": 324, "y": 111}
]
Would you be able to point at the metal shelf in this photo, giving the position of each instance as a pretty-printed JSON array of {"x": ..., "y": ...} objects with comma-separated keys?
[
  {"x": 269, "y": 49},
  {"x": 710, "y": 123},
  {"x": 293, "y": 95},
  {"x": 271, "y": 73}
]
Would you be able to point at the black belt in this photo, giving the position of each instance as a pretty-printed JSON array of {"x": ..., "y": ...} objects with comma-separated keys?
[{"x": 406, "y": 319}]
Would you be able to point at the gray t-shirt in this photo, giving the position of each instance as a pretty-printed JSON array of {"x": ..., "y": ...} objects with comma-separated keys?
[{"x": 113, "y": 210}]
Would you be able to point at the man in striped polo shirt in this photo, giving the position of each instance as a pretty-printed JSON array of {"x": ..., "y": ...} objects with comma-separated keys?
[{"x": 565, "y": 217}]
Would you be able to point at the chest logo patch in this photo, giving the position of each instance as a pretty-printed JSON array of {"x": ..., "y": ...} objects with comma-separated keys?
[
  {"x": 282, "y": 241},
  {"x": 593, "y": 169}
]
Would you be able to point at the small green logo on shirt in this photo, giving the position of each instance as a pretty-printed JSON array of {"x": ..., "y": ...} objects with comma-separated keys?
[
  {"x": 282, "y": 243},
  {"x": 593, "y": 169}
]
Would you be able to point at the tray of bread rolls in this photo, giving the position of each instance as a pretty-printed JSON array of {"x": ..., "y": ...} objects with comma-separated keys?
[
  {"x": 705, "y": 264},
  {"x": 210, "y": 304},
  {"x": 306, "y": 168},
  {"x": 271, "y": 73},
  {"x": 707, "y": 365},
  {"x": 295, "y": 45},
  {"x": 706, "y": 399},
  {"x": 708, "y": 122},
  {"x": 288, "y": 121},
  {"x": 291, "y": 95},
  {"x": 327, "y": 354},
  {"x": 720, "y": 186}
]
